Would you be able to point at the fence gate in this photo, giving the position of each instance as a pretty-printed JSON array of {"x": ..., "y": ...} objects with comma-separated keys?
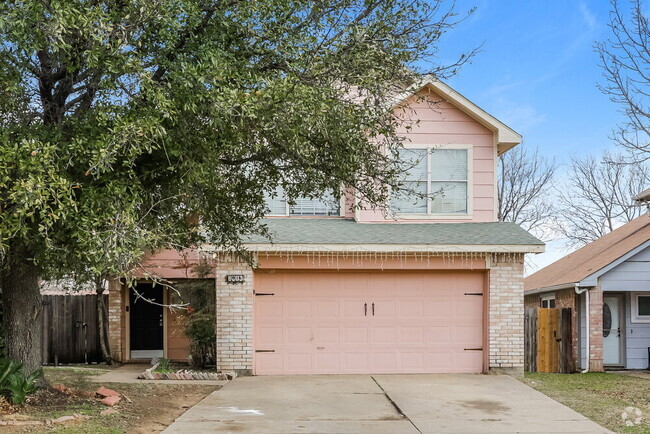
[
  {"x": 548, "y": 340},
  {"x": 70, "y": 331}
]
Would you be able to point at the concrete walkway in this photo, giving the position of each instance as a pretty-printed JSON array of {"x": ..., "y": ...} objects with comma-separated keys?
[
  {"x": 129, "y": 374},
  {"x": 380, "y": 404}
]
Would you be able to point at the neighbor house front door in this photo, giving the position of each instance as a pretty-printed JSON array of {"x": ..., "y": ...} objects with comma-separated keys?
[
  {"x": 612, "y": 329},
  {"x": 146, "y": 322}
]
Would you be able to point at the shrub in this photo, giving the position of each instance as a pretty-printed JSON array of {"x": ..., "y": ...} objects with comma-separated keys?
[
  {"x": 164, "y": 365},
  {"x": 200, "y": 329},
  {"x": 15, "y": 383}
]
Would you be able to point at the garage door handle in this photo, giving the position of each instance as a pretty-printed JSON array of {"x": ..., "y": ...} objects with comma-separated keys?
[
  {"x": 365, "y": 309},
  {"x": 473, "y": 349},
  {"x": 265, "y": 351}
]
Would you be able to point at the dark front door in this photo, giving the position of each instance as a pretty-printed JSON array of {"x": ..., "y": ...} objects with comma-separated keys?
[{"x": 146, "y": 321}]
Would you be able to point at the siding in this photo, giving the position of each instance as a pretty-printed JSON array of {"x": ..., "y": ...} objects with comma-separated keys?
[
  {"x": 637, "y": 339},
  {"x": 441, "y": 123},
  {"x": 633, "y": 275}
]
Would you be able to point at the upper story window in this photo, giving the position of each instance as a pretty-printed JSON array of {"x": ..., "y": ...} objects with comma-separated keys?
[
  {"x": 277, "y": 205},
  {"x": 437, "y": 182}
]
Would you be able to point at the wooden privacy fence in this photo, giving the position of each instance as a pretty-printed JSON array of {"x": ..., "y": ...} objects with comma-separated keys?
[
  {"x": 70, "y": 333},
  {"x": 548, "y": 340}
]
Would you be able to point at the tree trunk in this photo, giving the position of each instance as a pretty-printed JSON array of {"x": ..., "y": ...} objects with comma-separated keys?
[
  {"x": 102, "y": 320},
  {"x": 22, "y": 310}
]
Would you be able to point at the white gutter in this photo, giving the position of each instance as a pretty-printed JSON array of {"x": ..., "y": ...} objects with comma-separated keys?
[
  {"x": 390, "y": 248},
  {"x": 586, "y": 292}
]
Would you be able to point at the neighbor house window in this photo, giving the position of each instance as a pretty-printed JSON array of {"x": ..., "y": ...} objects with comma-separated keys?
[
  {"x": 548, "y": 301},
  {"x": 641, "y": 307},
  {"x": 277, "y": 205},
  {"x": 436, "y": 183}
]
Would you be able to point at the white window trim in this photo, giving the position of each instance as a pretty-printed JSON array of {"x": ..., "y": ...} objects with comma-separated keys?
[
  {"x": 547, "y": 298},
  {"x": 635, "y": 317},
  {"x": 470, "y": 184},
  {"x": 287, "y": 209}
]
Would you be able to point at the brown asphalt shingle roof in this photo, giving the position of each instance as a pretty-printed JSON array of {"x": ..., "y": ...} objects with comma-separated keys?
[{"x": 582, "y": 263}]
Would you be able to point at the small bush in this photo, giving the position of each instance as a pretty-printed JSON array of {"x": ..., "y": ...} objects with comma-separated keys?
[
  {"x": 164, "y": 365},
  {"x": 15, "y": 383},
  {"x": 200, "y": 329}
]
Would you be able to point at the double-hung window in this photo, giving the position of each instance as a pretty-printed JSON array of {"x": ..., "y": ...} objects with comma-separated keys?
[
  {"x": 436, "y": 182},
  {"x": 278, "y": 205}
]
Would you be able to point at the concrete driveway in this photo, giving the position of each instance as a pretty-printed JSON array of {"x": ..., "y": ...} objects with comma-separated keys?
[{"x": 380, "y": 404}]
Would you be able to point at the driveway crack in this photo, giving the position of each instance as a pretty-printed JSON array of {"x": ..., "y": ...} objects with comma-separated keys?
[{"x": 399, "y": 410}]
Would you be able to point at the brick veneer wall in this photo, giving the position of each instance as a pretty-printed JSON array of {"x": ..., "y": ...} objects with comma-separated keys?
[
  {"x": 596, "y": 330},
  {"x": 506, "y": 314},
  {"x": 234, "y": 317},
  {"x": 115, "y": 319}
]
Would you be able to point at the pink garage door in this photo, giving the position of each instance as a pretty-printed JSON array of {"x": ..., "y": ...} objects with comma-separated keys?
[{"x": 372, "y": 322}]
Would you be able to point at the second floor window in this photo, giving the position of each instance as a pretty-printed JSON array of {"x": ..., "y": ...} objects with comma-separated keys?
[
  {"x": 436, "y": 182},
  {"x": 277, "y": 205}
]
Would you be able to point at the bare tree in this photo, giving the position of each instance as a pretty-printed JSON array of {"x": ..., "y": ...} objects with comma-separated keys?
[
  {"x": 597, "y": 197},
  {"x": 525, "y": 178},
  {"x": 625, "y": 59}
]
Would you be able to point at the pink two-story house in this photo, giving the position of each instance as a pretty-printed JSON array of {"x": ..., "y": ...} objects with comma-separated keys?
[{"x": 423, "y": 286}]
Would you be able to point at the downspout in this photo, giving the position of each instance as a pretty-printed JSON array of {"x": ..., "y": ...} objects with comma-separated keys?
[{"x": 586, "y": 291}]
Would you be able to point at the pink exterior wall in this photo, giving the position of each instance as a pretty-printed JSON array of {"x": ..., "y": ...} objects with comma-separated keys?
[
  {"x": 441, "y": 123},
  {"x": 171, "y": 264}
]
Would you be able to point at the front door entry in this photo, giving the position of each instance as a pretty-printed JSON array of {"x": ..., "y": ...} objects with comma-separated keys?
[
  {"x": 612, "y": 329},
  {"x": 146, "y": 319}
]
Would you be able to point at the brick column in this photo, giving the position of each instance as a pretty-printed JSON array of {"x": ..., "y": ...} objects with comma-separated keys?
[
  {"x": 506, "y": 314},
  {"x": 115, "y": 313},
  {"x": 234, "y": 318},
  {"x": 596, "y": 330}
]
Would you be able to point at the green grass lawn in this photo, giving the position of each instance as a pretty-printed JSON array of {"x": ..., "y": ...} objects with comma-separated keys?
[{"x": 602, "y": 397}]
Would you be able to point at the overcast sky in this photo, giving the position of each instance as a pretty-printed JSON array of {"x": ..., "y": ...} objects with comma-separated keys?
[{"x": 538, "y": 73}]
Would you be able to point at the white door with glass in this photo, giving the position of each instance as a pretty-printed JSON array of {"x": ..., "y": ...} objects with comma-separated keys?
[{"x": 612, "y": 329}]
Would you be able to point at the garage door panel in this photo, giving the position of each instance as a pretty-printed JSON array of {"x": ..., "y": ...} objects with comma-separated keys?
[
  {"x": 327, "y": 310},
  {"x": 316, "y": 323},
  {"x": 410, "y": 285},
  {"x": 297, "y": 309},
  {"x": 442, "y": 308},
  {"x": 411, "y": 309},
  {"x": 383, "y": 335},
  {"x": 327, "y": 335},
  {"x": 383, "y": 285},
  {"x": 465, "y": 362},
  {"x": 298, "y": 335},
  {"x": 326, "y": 363},
  {"x": 355, "y": 362},
  {"x": 412, "y": 361},
  {"x": 438, "y": 335},
  {"x": 411, "y": 335},
  {"x": 355, "y": 335},
  {"x": 269, "y": 310},
  {"x": 385, "y": 361},
  {"x": 354, "y": 285},
  {"x": 355, "y": 309},
  {"x": 298, "y": 362},
  {"x": 270, "y": 335},
  {"x": 440, "y": 361},
  {"x": 468, "y": 307},
  {"x": 468, "y": 335}
]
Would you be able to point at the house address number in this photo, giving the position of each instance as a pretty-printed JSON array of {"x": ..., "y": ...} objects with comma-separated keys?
[{"x": 235, "y": 278}]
